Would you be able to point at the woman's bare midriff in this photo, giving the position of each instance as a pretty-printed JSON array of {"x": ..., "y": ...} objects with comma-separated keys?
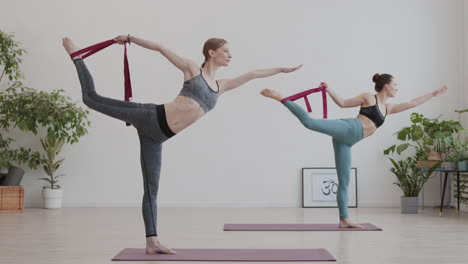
[
  {"x": 368, "y": 126},
  {"x": 182, "y": 112}
]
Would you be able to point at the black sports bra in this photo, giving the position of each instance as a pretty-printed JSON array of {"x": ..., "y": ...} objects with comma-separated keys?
[{"x": 373, "y": 113}]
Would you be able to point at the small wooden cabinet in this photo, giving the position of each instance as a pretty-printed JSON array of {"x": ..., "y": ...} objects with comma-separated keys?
[{"x": 11, "y": 199}]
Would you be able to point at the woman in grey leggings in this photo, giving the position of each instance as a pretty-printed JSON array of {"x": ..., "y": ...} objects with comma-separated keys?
[
  {"x": 347, "y": 132},
  {"x": 157, "y": 123}
]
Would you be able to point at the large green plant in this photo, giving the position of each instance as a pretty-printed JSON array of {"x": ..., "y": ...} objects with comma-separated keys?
[
  {"x": 30, "y": 110},
  {"x": 411, "y": 178},
  {"x": 10, "y": 157},
  {"x": 427, "y": 134},
  {"x": 10, "y": 57},
  {"x": 10, "y": 61}
]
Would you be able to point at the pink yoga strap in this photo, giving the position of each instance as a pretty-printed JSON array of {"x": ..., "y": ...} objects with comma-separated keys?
[
  {"x": 102, "y": 45},
  {"x": 307, "y": 92}
]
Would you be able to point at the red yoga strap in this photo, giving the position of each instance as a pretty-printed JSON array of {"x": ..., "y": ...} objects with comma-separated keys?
[
  {"x": 102, "y": 45},
  {"x": 307, "y": 92}
]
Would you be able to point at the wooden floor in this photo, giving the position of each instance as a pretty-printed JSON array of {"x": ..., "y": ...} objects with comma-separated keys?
[{"x": 95, "y": 235}]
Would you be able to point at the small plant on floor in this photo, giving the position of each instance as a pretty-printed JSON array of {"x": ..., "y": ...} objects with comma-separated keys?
[
  {"x": 411, "y": 178},
  {"x": 52, "y": 147}
]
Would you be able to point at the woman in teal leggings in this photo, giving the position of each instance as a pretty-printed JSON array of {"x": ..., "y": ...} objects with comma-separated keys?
[{"x": 347, "y": 132}]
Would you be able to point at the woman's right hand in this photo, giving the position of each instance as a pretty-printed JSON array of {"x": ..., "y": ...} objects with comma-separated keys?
[{"x": 122, "y": 39}]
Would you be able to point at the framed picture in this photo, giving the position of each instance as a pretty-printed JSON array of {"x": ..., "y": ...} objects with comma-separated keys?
[{"x": 320, "y": 186}]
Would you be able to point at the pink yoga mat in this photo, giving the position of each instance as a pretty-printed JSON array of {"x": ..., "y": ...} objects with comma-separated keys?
[
  {"x": 138, "y": 254},
  {"x": 297, "y": 227}
]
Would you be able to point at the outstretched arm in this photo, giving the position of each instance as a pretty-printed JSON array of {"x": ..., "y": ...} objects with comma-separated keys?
[
  {"x": 185, "y": 65},
  {"x": 346, "y": 103},
  {"x": 397, "y": 108},
  {"x": 229, "y": 84}
]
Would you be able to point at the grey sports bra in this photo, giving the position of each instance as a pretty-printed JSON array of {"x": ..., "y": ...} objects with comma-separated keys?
[{"x": 198, "y": 89}]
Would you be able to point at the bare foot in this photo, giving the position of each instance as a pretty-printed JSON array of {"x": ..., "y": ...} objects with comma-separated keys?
[
  {"x": 70, "y": 47},
  {"x": 153, "y": 246},
  {"x": 345, "y": 223},
  {"x": 272, "y": 94}
]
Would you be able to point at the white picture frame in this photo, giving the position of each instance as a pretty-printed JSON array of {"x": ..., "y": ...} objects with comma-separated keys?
[{"x": 320, "y": 185}]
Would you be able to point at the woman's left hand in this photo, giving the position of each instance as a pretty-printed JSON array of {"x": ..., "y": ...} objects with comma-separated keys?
[
  {"x": 440, "y": 90},
  {"x": 288, "y": 70}
]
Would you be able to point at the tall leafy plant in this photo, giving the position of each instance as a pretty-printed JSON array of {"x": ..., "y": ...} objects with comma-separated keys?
[
  {"x": 411, "y": 178},
  {"x": 10, "y": 75},
  {"x": 52, "y": 146},
  {"x": 10, "y": 57},
  {"x": 10, "y": 157}
]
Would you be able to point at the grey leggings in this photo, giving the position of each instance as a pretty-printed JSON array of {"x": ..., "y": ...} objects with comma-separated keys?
[
  {"x": 345, "y": 133},
  {"x": 150, "y": 122}
]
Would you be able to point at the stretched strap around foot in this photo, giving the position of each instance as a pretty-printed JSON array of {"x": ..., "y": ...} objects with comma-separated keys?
[
  {"x": 102, "y": 45},
  {"x": 305, "y": 94}
]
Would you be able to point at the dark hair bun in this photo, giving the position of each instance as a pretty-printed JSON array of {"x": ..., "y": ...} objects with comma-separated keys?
[{"x": 376, "y": 78}]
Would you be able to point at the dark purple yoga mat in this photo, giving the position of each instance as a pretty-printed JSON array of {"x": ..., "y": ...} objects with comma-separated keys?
[
  {"x": 297, "y": 227},
  {"x": 137, "y": 254}
]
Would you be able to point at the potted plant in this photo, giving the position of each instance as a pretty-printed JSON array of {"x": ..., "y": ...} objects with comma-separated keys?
[
  {"x": 10, "y": 174},
  {"x": 410, "y": 179},
  {"x": 10, "y": 60},
  {"x": 52, "y": 193},
  {"x": 463, "y": 148},
  {"x": 31, "y": 111},
  {"x": 457, "y": 155},
  {"x": 65, "y": 122},
  {"x": 10, "y": 158},
  {"x": 431, "y": 135}
]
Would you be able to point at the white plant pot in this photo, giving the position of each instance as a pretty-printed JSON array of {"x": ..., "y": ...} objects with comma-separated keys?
[{"x": 52, "y": 198}]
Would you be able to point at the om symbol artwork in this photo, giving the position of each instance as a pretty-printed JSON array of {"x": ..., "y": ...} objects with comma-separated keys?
[{"x": 329, "y": 187}]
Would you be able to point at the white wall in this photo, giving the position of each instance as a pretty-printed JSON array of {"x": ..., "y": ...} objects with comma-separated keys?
[{"x": 249, "y": 151}]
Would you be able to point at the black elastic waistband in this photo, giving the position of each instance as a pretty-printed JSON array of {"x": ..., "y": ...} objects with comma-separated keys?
[{"x": 162, "y": 121}]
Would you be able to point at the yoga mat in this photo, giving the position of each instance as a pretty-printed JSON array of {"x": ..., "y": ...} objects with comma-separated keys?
[
  {"x": 138, "y": 254},
  {"x": 297, "y": 227}
]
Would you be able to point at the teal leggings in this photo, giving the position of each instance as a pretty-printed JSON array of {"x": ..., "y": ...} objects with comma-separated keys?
[{"x": 345, "y": 133}]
